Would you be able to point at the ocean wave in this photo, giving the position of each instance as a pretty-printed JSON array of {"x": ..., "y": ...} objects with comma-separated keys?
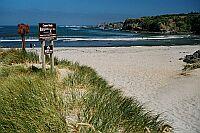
[
  {"x": 75, "y": 29},
  {"x": 121, "y": 39},
  {"x": 61, "y": 37},
  {"x": 172, "y": 36},
  {"x": 73, "y": 26},
  {"x": 19, "y": 40},
  {"x": 81, "y": 38},
  {"x": 98, "y": 39}
]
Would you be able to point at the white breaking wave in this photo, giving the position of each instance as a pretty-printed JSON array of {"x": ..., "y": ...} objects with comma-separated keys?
[
  {"x": 73, "y": 39},
  {"x": 121, "y": 39},
  {"x": 99, "y": 39},
  {"x": 19, "y": 40},
  {"x": 172, "y": 36},
  {"x": 73, "y": 26},
  {"x": 75, "y": 29}
]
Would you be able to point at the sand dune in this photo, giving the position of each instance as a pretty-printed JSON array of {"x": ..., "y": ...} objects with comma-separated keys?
[{"x": 152, "y": 75}]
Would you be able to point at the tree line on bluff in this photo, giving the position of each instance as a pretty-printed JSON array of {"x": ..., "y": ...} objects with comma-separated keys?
[{"x": 170, "y": 23}]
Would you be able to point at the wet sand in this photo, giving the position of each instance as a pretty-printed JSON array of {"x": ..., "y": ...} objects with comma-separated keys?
[{"x": 152, "y": 75}]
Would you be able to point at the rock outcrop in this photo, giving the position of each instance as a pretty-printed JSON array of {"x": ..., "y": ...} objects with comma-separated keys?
[{"x": 195, "y": 57}]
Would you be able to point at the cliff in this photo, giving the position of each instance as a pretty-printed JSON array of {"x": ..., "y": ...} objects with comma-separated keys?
[{"x": 170, "y": 23}]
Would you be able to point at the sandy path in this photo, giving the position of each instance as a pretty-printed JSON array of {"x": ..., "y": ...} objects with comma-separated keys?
[{"x": 151, "y": 75}]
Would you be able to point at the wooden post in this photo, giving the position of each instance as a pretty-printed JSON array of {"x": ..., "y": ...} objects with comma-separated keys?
[
  {"x": 43, "y": 56},
  {"x": 52, "y": 57},
  {"x": 23, "y": 42},
  {"x": 23, "y": 30},
  {"x": 47, "y": 32}
]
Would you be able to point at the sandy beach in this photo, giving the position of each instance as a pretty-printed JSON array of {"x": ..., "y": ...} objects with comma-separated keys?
[{"x": 150, "y": 74}]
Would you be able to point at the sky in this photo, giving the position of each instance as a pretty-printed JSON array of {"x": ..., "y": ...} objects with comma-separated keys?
[{"x": 88, "y": 12}]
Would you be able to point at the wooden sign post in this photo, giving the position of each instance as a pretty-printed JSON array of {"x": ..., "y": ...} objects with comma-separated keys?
[
  {"x": 23, "y": 30},
  {"x": 52, "y": 57},
  {"x": 47, "y": 32},
  {"x": 43, "y": 56}
]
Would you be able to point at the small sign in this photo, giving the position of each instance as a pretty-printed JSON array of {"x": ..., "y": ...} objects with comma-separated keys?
[
  {"x": 23, "y": 29},
  {"x": 48, "y": 49},
  {"x": 47, "y": 31}
]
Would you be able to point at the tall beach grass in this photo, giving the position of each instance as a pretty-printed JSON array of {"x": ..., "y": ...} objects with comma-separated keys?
[{"x": 82, "y": 102}]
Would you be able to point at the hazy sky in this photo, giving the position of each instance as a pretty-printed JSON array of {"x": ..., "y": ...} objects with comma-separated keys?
[{"x": 84, "y": 12}]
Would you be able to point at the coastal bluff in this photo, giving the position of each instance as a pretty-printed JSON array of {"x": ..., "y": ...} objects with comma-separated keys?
[{"x": 168, "y": 24}]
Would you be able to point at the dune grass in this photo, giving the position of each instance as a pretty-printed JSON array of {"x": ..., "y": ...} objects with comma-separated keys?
[
  {"x": 30, "y": 105},
  {"x": 83, "y": 102},
  {"x": 16, "y": 56},
  {"x": 105, "y": 108}
]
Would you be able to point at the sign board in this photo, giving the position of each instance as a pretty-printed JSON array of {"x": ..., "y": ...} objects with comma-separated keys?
[
  {"x": 47, "y": 31},
  {"x": 23, "y": 29},
  {"x": 48, "y": 49}
]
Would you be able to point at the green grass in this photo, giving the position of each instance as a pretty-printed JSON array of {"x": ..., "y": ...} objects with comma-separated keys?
[
  {"x": 16, "y": 56},
  {"x": 30, "y": 105},
  {"x": 34, "y": 101},
  {"x": 104, "y": 108}
]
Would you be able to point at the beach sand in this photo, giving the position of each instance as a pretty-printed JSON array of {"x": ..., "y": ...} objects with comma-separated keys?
[{"x": 150, "y": 74}]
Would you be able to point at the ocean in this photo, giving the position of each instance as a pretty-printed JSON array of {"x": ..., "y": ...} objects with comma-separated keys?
[{"x": 86, "y": 36}]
